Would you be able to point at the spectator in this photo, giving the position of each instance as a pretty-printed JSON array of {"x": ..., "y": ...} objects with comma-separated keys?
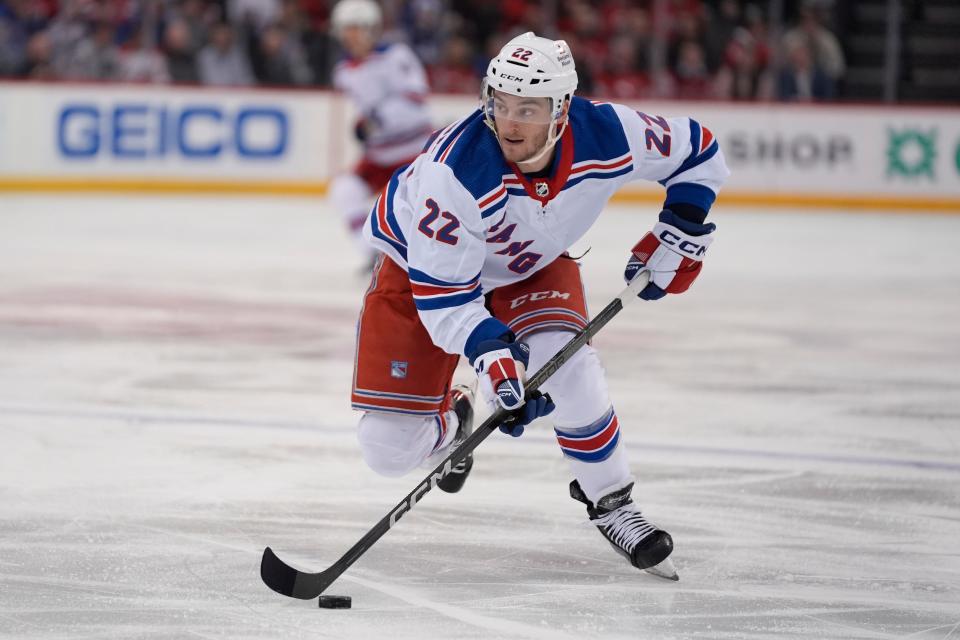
[
  {"x": 282, "y": 59},
  {"x": 38, "y": 62},
  {"x": 620, "y": 79},
  {"x": 181, "y": 59},
  {"x": 197, "y": 17},
  {"x": 423, "y": 23},
  {"x": 456, "y": 74},
  {"x": 801, "y": 80},
  {"x": 259, "y": 13},
  {"x": 96, "y": 56},
  {"x": 313, "y": 43},
  {"x": 587, "y": 26},
  {"x": 635, "y": 22},
  {"x": 19, "y": 21},
  {"x": 13, "y": 47},
  {"x": 223, "y": 63},
  {"x": 690, "y": 73},
  {"x": 627, "y": 49},
  {"x": 743, "y": 74},
  {"x": 720, "y": 32},
  {"x": 822, "y": 44},
  {"x": 143, "y": 61}
]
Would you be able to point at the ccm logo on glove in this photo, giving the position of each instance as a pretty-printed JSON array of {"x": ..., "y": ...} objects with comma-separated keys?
[
  {"x": 673, "y": 253},
  {"x": 682, "y": 244}
]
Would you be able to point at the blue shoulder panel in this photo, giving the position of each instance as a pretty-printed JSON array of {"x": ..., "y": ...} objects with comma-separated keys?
[
  {"x": 598, "y": 133},
  {"x": 472, "y": 152}
]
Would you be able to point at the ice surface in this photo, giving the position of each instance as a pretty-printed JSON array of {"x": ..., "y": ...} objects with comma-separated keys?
[{"x": 174, "y": 378}]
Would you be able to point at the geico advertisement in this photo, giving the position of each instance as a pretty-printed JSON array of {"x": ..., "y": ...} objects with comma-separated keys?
[{"x": 143, "y": 131}]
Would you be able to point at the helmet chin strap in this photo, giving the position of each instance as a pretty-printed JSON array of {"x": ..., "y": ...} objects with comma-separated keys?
[{"x": 548, "y": 146}]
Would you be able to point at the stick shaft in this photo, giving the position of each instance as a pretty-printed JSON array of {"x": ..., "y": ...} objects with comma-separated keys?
[{"x": 288, "y": 581}]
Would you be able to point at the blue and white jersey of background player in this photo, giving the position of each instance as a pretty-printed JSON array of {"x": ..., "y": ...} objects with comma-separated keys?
[
  {"x": 388, "y": 88},
  {"x": 462, "y": 221}
]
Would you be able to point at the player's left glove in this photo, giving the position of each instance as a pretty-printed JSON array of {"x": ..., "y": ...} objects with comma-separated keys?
[{"x": 673, "y": 252}]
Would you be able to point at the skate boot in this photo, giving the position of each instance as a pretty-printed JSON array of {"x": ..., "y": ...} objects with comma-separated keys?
[
  {"x": 630, "y": 534},
  {"x": 461, "y": 400}
]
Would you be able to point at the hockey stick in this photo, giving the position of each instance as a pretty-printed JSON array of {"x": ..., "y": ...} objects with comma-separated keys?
[{"x": 288, "y": 581}]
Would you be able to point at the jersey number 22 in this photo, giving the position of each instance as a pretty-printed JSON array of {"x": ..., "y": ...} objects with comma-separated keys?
[{"x": 445, "y": 233}]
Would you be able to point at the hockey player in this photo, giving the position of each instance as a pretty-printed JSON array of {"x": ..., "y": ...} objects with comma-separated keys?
[
  {"x": 387, "y": 85},
  {"x": 474, "y": 234}
]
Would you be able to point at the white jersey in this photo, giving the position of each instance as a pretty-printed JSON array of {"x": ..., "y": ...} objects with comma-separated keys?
[
  {"x": 462, "y": 222},
  {"x": 388, "y": 88}
]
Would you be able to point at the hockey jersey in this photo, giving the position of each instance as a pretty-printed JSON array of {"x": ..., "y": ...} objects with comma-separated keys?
[
  {"x": 389, "y": 89},
  {"x": 462, "y": 221}
]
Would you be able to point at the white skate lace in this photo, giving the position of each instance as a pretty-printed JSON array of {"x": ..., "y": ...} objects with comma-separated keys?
[{"x": 625, "y": 526}]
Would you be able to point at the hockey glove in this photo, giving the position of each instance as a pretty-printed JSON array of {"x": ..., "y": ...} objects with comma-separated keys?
[
  {"x": 673, "y": 252},
  {"x": 501, "y": 366},
  {"x": 366, "y": 126},
  {"x": 537, "y": 406}
]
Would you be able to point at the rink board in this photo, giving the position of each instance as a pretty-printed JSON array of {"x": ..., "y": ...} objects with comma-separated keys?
[{"x": 140, "y": 139}]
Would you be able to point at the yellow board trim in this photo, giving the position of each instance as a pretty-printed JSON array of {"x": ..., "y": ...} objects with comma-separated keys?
[
  {"x": 161, "y": 186},
  {"x": 154, "y": 186},
  {"x": 913, "y": 204}
]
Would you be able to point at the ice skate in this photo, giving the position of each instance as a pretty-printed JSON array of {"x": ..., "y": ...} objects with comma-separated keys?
[
  {"x": 641, "y": 542},
  {"x": 461, "y": 400}
]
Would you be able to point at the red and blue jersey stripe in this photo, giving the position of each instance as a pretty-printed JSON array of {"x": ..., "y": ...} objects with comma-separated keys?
[
  {"x": 600, "y": 169},
  {"x": 431, "y": 293},
  {"x": 493, "y": 201},
  {"x": 383, "y": 222}
]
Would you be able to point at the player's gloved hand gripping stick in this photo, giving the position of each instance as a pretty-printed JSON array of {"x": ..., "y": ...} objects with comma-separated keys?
[
  {"x": 501, "y": 367},
  {"x": 288, "y": 581}
]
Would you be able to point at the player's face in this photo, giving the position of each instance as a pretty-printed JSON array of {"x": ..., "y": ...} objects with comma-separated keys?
[
  {"x": 522, "y": 125},
  {"x": 357, "y": 40}
]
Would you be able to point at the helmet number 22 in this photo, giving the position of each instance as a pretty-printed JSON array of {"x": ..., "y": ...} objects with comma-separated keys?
[
  {"x": 522, "y": 54},
  {"x": 445, "y": 233}
]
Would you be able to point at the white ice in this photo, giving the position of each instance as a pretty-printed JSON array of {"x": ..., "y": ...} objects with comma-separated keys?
[{"x": 174, "y": 396}]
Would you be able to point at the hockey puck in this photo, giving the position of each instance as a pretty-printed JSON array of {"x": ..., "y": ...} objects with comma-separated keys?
[{"x": 335, "y": 602}]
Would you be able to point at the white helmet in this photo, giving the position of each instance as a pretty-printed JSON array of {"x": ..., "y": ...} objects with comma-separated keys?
[
  {"x": 531, "y": 66},
  {"x": 355, "y": 13}
]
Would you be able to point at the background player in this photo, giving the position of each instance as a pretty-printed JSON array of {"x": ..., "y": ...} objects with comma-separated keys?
[
  {"x": 474, "y": 234},
  {"x": 387, "y": 85}
]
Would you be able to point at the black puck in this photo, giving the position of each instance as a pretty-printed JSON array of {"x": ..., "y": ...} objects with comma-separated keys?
[{"x": 335, "y": 602}]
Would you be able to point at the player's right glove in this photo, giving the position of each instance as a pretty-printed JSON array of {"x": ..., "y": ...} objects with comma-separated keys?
[
  {"x": 673, "y": 252},
  {"x": 537, "y": 406},
  {"x": 501, "y": 366}
]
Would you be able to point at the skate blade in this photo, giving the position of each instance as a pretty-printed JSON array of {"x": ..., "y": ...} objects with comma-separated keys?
[{"x": 664, "y": 570}]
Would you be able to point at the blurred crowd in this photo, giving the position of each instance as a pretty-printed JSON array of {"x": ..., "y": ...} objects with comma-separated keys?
[{"x": 625, "y": 49}]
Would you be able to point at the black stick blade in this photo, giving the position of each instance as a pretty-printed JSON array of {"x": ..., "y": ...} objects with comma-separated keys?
[{"x": 286, "y": 580}]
